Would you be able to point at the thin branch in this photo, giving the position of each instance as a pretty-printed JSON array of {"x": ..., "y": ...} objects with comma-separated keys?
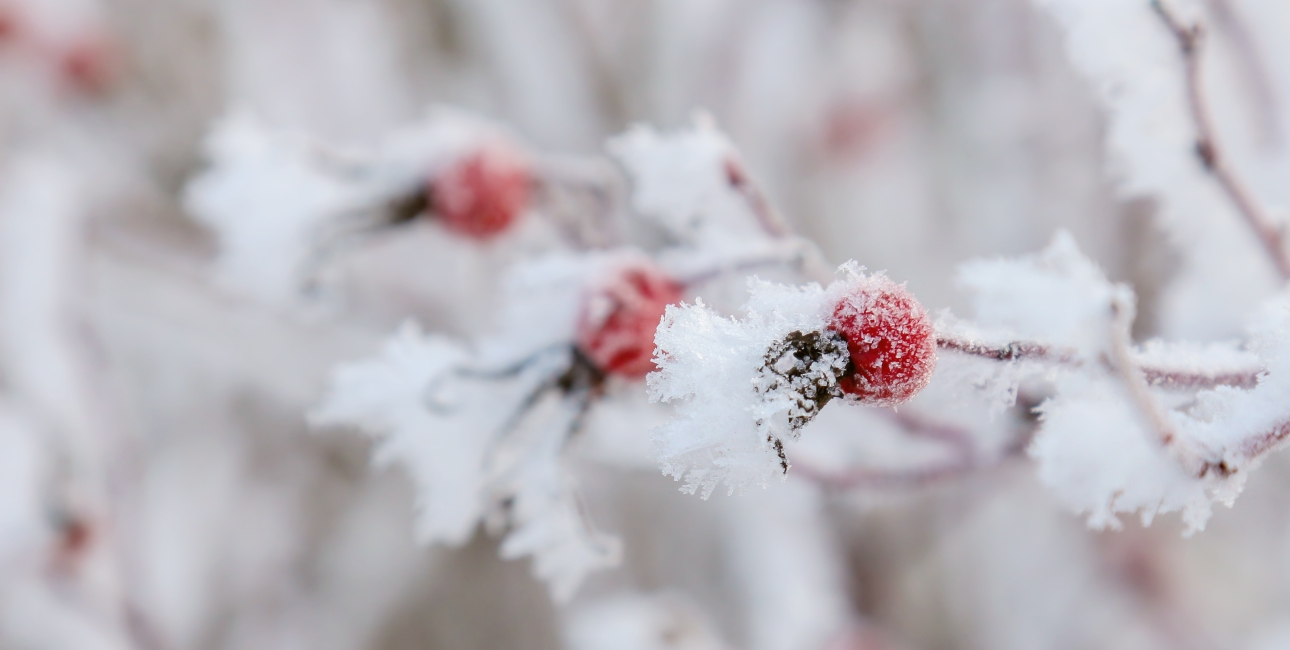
[
  {"x": 1191, "y": 39},
  {"x": 1156, "y": 377},
  {"x": 1262, "y": 444},
  {"x": 771, "y": 222},
  {"x": 1012, "y": 351},
  {"x": 966, "y": 461},
  {"x": 1121, "y": 322},
  {"x": 1180, "y": 380},
  {"x": 920, "y": 427}
]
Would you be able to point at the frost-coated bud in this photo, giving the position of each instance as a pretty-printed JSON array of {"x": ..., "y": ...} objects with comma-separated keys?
[
  {"x": 618, "y": 319},
  {"x": 891, "y": 340},
  {"x": 483, "y": 193}
]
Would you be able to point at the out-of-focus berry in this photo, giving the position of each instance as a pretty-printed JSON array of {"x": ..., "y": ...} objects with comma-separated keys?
[
  {"x": 618, "y": 320},
  {"x": 891, "y": 341},
  {"x": 89, "y": 65},
  {"x": 483, "y": 193}
]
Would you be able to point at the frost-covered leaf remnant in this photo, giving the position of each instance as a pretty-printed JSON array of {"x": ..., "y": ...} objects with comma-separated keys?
[
  {"x": 692, "y": 185},
  {"x": 281, "y": 203},
  {"x": 481, "y": 444},
  {"x": 744, "y": 386},
  {"x": 1119, "y": 434}
]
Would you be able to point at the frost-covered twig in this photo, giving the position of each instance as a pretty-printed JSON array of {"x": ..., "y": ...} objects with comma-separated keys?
[
  {"x": 769, "y": 218},
  {"x": 1011, "y": 351},
  {"x": 1155, "y": 376},
  {"x": 1122, "y": 313},
  {"x": 1191, "y": 39}
]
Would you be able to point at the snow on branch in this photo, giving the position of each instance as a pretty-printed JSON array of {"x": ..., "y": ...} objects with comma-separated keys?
[
  {"x": 282, "y": 204},
  {"x": 483, "y": 431},
  {"x": 1114, "y": 438},
  {"x": 743, "y": 387}
]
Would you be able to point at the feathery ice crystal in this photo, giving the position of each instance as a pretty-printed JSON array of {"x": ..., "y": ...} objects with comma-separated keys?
[
  {"x": 618, "y": 319},
  {"x": 744, "y": 386}
]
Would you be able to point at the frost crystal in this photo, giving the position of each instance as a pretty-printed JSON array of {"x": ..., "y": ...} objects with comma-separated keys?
[
  {"x": 480, "y": 443},
  {"x": 744, "y": 386},
  {"x": 801, "y": 374},
  {"x": 1115, "y": 437},
  {"x": 281, "y": 202},
  {"x": 684, "y": 182},
  {"x": 1057, "y": 296}
]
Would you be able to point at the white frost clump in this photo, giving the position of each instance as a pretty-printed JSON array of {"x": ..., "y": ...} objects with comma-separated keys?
[
  {"x": 1108, "y": 444},
  {"x": 725, "y": 431},
  {"x": 1056, "y": 296},
  {"x": 1097, "y": 454},
  {"x": 683, "y": 181},
  {"x": 1134, "y": 64},
  {"x": 280, "y": 202},
  {"x": 480, "y": 445},
  {"x": 265, "y": 196},
  {"x": 483, "y": 432},
  {"x": 435, "y": 435}
]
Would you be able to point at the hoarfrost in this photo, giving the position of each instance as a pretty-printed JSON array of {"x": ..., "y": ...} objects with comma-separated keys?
[
  {"x": 688, "y": 183},
  {"x": 733, "y": 413}
]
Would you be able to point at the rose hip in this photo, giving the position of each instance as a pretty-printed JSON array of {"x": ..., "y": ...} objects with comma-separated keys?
[
  {"x": 482, "y": 194},
  {"x": 616, "y": 327},
  {"x": 891, "y": 341}
]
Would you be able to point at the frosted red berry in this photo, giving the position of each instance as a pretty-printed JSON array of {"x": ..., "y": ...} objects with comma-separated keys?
[
  {"x": 483, "y": 193},
  {"x": 890, "y": 338},
  {"x": 618, "y": 320}
]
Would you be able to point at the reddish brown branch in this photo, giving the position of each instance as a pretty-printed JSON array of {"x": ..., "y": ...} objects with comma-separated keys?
[
  {"x": 1166, "y": 378},
  {"x": 1178, "y": 380},
  {"x": 1264, "y": 443},
  {"x": 1191, "y": 39},
  {"x": 1011, "y": 351},
  {"x": 964, "y": 463},
  {"x": 769, "y": 220}
]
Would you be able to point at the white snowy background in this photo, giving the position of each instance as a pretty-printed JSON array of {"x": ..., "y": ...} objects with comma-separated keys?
[{"x": 242, "y": 409}]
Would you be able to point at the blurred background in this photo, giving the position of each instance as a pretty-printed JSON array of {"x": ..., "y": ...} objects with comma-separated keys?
[{"x": 161, "y": 489}]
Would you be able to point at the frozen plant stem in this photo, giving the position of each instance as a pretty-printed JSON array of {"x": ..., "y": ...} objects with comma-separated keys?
[
  {"x": 1140, "y": 392},
  {"x": 1190, "y": 40},
  {"x": 1158, "y": 377}
]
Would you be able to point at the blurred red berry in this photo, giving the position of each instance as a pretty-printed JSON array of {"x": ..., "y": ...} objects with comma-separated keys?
[
  {"x": 482, "y": 194},
  {"x": 616, "y": 328},
  {"x": 8, "y": 24},
  {"x": 891, "y": 341},
  {"x": 89, "y": 65}
]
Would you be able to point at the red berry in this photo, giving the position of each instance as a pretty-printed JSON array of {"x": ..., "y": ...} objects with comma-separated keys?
[
  {"x": 616, "y": 328},
  {"x": 891, "y": 341},
  {"x": 9, "y": 24},
  {"x": 482, "y": 194},
  {"x": 90, "y": 64}
]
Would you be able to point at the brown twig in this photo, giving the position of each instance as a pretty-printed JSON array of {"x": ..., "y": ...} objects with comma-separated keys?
[
  {"x": 1011, "y": 351},
  {"x": 767, "y": 217},
  {"x": 1139, "y": 391},
  {"x": 1166, "y": 378},
  {"x": 1191, "y": 40}
]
